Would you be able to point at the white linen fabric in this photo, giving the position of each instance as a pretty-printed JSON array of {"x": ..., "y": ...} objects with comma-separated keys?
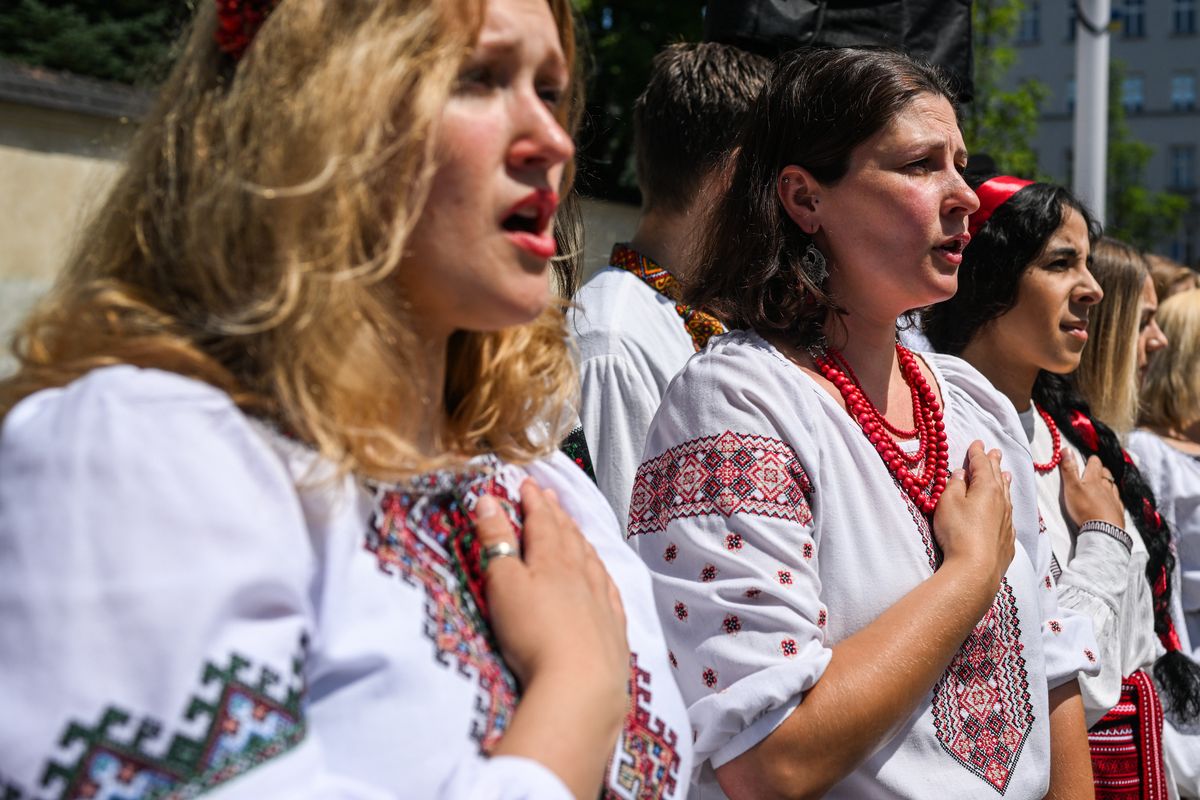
[
  {"x": 190, "y": 601},
  {"x": 1175, "y": 479},
  {"x": 632, "y": 341},
  {"x": 774, "y": 530},
  {"x": 1101, "y": 577}
]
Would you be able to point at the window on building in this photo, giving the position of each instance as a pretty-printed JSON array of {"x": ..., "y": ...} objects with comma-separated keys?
[
  {"x": 1133, "y": 94},
  {"x": 1029, "y": 27},
  {"x": 1070, "y": 95},
  {"x": 1133, "y": 19},
  {"x": 1183, "y": 91},
  {"x": 1182, "y": 160},
  {"x": 1183, "y": 16}
]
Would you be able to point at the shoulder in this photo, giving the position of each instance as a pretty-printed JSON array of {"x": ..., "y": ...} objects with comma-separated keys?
[
  {"x": 968, "y": 386},
  {"x": 615, "y": 307}
]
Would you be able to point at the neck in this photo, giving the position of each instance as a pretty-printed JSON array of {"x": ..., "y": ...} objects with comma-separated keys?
[
  {"x": 424, "y": 427},
  {"x": 1014, "y": 381},
  {"x": 1191, "y": 432},
  {"x": 667, "y": 238},
  {"x": 870, "y": 348}
]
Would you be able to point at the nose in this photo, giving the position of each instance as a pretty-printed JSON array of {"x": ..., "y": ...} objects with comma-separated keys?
[
  {"x": 1088, "y": 291},
  {"x": 1158, "y": 340},
  {"x": 960, "y": 198},
  {"x": 540, "y": 141}
]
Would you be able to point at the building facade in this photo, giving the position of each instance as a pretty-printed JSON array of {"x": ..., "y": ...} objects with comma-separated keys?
[{"x": 1158, "y": 44}]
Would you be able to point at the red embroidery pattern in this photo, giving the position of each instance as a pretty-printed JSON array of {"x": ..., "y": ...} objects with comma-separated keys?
[
  {"x": 733, "y": 542},
  {"x": 732, "y": 624},
  {"x": 752, "y": 593},
  {"x": 681, "y": 611},
  {"x": 672, "y": 659},
  {"x": 670, "y": 553},
  {"x": 709, "y": 677},
  {"x": 1055, "y": 626},
  {"x": 1090, "y": 655},
  {"x": 424, "y": 534},
  {"x": 709, "y": 573},
  {"x": 649, "y": 760},
  {"x": 788, "y": 646},
  {"x": 981, "y": 706},
  {"x": 1127, "y": 747},
  {"x": 700, "y": 325},
  {"x": 785, "y": 577},
  {"x": 808, "y": 550},
  {"x": 727, "y": 474},
  {"x": 822, "y": 617}
]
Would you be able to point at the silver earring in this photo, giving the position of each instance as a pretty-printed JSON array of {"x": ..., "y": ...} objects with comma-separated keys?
[{"x": 814, "y": 265}]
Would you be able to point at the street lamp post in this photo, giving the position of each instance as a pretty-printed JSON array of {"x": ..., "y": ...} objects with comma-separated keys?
[{"x": 1091, "y": 102}]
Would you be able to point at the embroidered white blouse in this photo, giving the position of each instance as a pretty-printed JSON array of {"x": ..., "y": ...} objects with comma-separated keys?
[
  {"x": 190, "y": 601},
  {"x": 1175, "y": 478},
  {"x": 1102, "y": 576},
  {"x": 632, "y": 341},
  {"x": 774, "y": 530}
]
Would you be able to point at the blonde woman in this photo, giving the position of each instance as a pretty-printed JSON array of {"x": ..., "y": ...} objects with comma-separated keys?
[
  {"x": 1171, "y": 277},
  {"x": 265, "y": 459},
  {"x": 1122, "y": 335}
]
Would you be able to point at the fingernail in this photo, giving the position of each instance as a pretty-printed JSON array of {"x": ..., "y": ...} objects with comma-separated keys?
[{"x": 486, "y": 507}]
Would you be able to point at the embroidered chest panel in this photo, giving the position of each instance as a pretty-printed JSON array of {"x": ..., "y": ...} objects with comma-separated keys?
[
  {"x": 423, "y": 532},
  {"x": 647, "y": 758},
  {"x": 982, "y": 710}
]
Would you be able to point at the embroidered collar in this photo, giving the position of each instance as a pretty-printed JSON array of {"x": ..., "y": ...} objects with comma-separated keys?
[{"x": 700, "y": 326}]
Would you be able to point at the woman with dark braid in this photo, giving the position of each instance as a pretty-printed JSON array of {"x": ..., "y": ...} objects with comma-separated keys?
[{"x": 1021, "y": 317}]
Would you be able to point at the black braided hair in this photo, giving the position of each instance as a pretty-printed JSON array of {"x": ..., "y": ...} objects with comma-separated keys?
[{"x": 1177, "y": 676}]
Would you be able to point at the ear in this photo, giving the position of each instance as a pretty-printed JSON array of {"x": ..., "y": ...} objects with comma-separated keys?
[{"x": 800, "y": 193}]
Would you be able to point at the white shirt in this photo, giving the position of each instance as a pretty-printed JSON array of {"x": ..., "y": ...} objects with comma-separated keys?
[
  {"x": 1101, "y": 577},
  {"x": 190, "y": 600},
  {"x": 1175, "y": 479},
  {"x": 632, "y": 341},
  {"x": 774, "y": 530}
]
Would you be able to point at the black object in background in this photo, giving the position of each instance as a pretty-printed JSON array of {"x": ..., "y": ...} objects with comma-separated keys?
[{"x": 937, "y": 31}]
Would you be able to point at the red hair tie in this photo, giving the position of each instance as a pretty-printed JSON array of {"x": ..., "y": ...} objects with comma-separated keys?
[
  {"x": 993, "y": 193},
  {"x": 237, "y": 23},
  {"x": 1085, "y": 430}
]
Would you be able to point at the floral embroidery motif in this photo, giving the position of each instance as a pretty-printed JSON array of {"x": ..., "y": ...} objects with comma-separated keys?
[
  {"x": 700, "y": 326},
  {"x": 709, "y": 676},
  {"x": 727, "y": 474},
  {"x": 672, "y": 659},
  {"x": 732, "y": 624},
  {"x": 733, "y": 542},
  {"x": 788, "y": 646},
  {"x": 708, "y": 573},
  {"x": 752, "y": 593},
  {"x": 248, "y": 724},
  {"x": 822, "y": 616},
  {"x": 807, "y": 550},
  {"x": 1090, "y": 655},
  {"x": 575, "y": 447},
  {"x": 1055, "y": 626},
  {"x": 681, "y": 611},
  {"x": 670, "y": 553},
  {"x": 648, "y": 765},
  {"x": 785, "y": 577},
  {"x": 424, "y": 533}
]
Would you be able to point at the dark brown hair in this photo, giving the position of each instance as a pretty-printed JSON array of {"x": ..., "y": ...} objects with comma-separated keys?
[
  {"x": 819, "y": 105},
  {"x": 688, "y": 119}
]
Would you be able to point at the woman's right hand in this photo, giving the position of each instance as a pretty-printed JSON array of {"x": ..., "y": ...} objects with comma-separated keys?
[
  {"x": 561, "y": 628},
  {"x": 1092, "y": 495},
  {"x": 973, "y": 521}
]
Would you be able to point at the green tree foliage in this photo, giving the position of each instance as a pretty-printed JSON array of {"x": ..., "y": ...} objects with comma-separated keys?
[
  {"x": 1001, "y": 122},
  {"x": 127, "y": 41},
  {"x": 1135, "y": 214},
  {"x": 623, "y": 36}
]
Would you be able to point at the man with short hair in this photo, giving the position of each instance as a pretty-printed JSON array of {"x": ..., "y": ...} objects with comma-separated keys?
[{"x": 634, "y": 334}]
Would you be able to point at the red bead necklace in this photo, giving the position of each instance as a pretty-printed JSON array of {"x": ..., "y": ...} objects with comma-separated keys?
[
  {"x": 926, "y": 484},
  {"x": 1056, "y": 454}
]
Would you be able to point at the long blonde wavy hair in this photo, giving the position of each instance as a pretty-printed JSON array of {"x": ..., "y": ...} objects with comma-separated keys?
[
  {"x": 1107, "y": 373},
  {"x": 252, "y": 240}
]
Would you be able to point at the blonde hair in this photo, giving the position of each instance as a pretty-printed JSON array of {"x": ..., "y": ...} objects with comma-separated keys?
[
  {"x": 253, "y": 239},
  {"x": 1107, "y": 374},
  {"x": 1171, "y": 388},
  {"x": 1170, "y": 277}
]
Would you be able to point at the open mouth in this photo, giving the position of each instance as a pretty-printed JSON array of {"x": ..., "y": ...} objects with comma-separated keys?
[
  {"x": 527, "y": 220},
  {"x": 527, "y": 223},
  {"x": 955, "y": 245},
  {"x": 1077, "y": 329}
]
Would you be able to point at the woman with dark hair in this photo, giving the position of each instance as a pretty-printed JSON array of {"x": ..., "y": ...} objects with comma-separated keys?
[
  {"x": 1021, "y": 317},
  {"x": 847, "y": 612}
]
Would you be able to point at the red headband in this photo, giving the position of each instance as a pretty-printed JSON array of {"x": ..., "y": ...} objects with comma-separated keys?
[{"x": 993, "y": 193}]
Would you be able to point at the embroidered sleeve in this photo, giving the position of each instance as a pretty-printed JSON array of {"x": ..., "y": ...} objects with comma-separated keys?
[{"x": 721, "y": 513}]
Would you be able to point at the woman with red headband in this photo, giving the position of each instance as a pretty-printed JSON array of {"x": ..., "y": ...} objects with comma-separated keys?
[
  {"x": 850, "y": 609},
  {"x": 281, "y": 514},
  {"x": 1021, "y": 317}
]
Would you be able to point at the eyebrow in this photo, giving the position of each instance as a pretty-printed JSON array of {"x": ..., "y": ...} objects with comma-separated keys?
[
  {"x": 925, "y": 145},
  {"x": 508, "y": 45},
  {"x": 1069, "y": 252}
]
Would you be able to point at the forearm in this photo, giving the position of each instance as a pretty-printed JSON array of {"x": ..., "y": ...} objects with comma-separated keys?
[
  {"x": 557, "y": 725},
  {"x": 1070, "y": 759},
  {"x": 872, "y": 684}
]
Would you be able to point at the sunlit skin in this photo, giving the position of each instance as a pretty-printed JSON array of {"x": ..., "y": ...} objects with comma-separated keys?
[
  {"x": 1151, "y": 338},
  {"x": 499, "y": 142},
  {"x": 1047, "y": 327}
]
